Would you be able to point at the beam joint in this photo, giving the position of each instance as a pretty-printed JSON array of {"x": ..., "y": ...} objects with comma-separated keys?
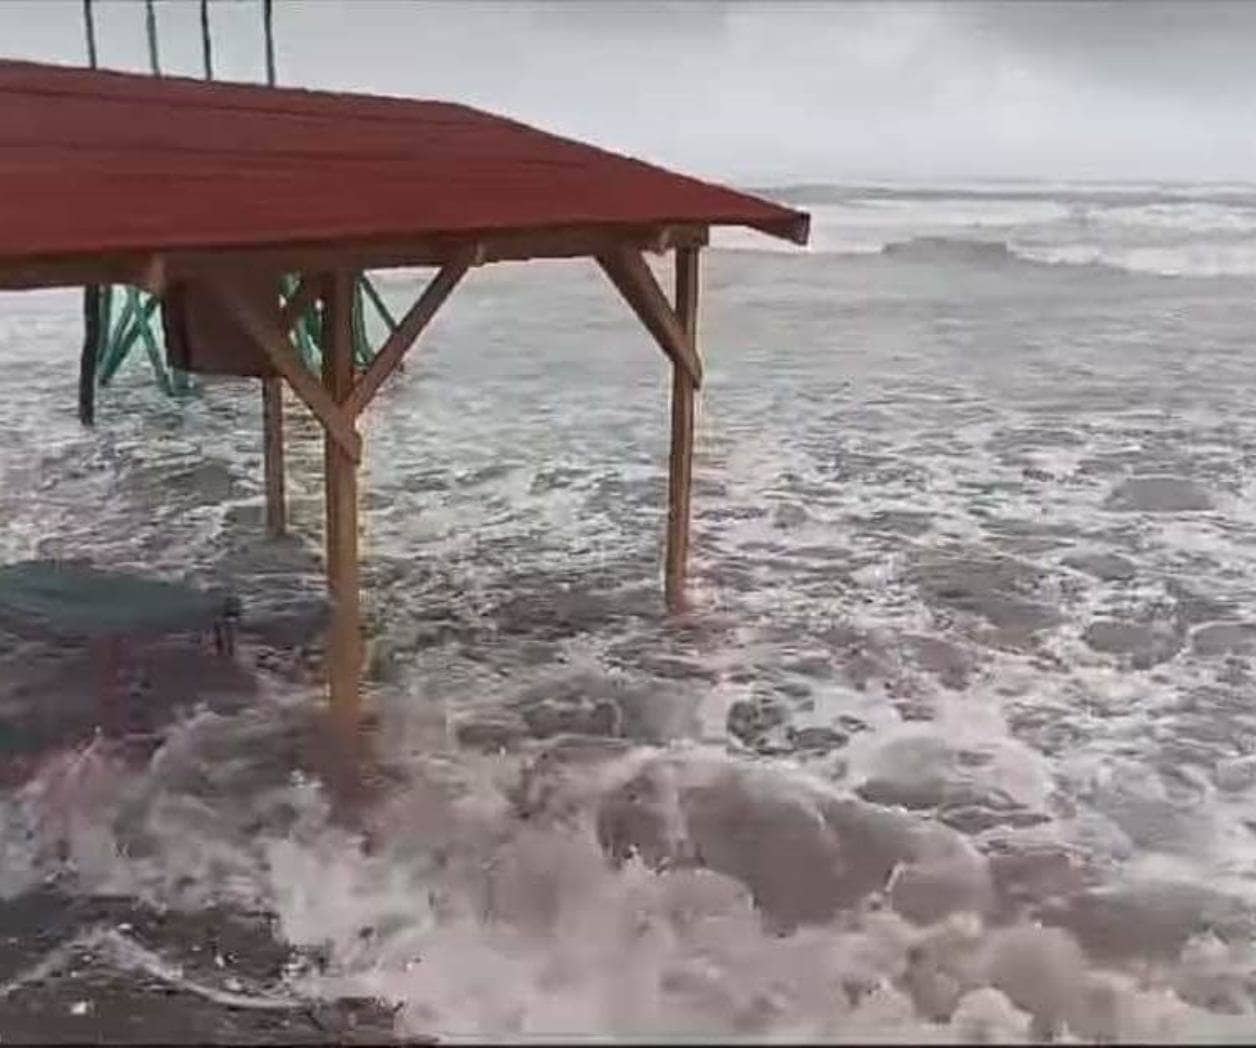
[
  {"x": 631, "y": 275},
  {"x": 337, "y": 422},
  {"x": 408, "y": 330}
]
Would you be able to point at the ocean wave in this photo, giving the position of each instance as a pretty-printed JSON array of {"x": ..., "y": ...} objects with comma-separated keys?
[
  {"x": 987, "y": 252},
  {"x": 1201, "y": 233}
]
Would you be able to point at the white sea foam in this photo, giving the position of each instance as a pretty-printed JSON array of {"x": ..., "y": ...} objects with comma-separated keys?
[
  {"x": 1171, "y": 235},
  {"x": 855, "y": 433}
]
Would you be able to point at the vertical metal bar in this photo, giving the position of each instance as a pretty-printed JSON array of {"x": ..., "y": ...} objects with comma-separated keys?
[
  {"x": 150, "y": 23},
  {"x": 117, "y": 343},
  {"x": 207, "y": 46},
  {"x": 89, "y": 27},
  {"x": 88, "y": 357},
  {"x": 268, "y": 18},
  {"x": 380, "y": 306},
  {"x": 95, "y": 327},
  {"x": 152, "y": 349},
  {"x": 361, "y": 347}
]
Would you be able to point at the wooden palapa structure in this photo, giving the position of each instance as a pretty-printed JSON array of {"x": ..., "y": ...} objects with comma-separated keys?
[{"x": 209, "y": 195}]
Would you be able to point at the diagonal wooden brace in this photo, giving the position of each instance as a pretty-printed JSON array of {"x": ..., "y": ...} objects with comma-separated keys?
[
  {"x": 274, "y": 343},
  {"x": 629, "y": 273},
  {"x": 408, "y": 330}
]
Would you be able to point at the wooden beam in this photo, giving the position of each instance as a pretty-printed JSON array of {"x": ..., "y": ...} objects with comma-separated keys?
[
  {"x": 133, "y": 267},
  {"x": 336, "y": 421},
  {"x": 680, "y": 461},
  {"x": 18, "y": 275},
  {"x": 629, "y": 273},
  {"x": 272, "y": 456},
  {"x": 407, "y": 331},
  {"x": 299, "y": 302},
  {"x": 344, "y": 642}
]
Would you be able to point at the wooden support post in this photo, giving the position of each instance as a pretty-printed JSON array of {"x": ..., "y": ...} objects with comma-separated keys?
[
  {"x": 272, "y": 456},
  {"x": 680, "y": 465},
  {"x": 344, "y": 647}
]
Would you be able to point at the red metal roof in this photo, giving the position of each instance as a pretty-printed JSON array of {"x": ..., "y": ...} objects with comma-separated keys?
[{"x": 93, "y": 162}]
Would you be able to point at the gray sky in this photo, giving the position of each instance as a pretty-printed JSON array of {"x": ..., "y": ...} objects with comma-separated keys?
[{"x": 763, "y": 92}]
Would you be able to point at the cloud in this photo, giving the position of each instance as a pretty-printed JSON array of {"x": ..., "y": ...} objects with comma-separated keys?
[{"x": 771, "y": 90}]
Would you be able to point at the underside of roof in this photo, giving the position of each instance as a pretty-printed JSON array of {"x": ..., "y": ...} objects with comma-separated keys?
[{"x": 102, "y": 165}]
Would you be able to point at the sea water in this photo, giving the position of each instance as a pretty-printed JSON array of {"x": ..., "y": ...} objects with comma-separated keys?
[{"x": 956, "y": 742}]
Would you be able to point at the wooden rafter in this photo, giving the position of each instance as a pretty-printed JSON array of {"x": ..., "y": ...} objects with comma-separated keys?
[
  {"x": 408, "y": 330},
  {"x": 270, "y": 339},
  {"x": 629, "y": 273}
]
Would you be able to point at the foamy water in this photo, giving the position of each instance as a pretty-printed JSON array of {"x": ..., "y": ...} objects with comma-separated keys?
[
  {"x": 1166, "y": 230},
  {"x": 957, "y": 743}
]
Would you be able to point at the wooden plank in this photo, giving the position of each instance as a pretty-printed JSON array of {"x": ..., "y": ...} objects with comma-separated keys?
[
  {"x": 288, "y": 363},
  {"x": 629, "y": 273},
  {"x": 680, "y": 461},
  {"x": 19, "y": 275},
  {"x": 344, "y": 647},
  {"x": 134, "y": 267},
  {"x": 272, "y": 455},
  {"x": 299, "y": 302},
  {"x": 408, "y": 330}
]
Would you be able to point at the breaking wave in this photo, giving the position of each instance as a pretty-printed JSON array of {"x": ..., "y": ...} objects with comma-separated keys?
[
  {"x": 1136, "y": 229},
  {"x": 477, "y": 900}
]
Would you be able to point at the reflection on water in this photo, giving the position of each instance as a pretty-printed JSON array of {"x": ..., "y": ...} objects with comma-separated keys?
[{"x": 957, "y": 743}]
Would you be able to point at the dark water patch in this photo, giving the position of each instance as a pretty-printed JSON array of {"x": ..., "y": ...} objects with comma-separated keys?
[
  {"x": 56, "y": 697},
  {"x": 818, "y": 667},
  {"x": 1153, "y": 919},
  {"x": 737, "y": 815},
  {"x": 558, "y": 613},
  {"x": 556, "y": 478},
  {"x": 722, "y": 514},
  {"x": 761, "y": 724},
  {"x": 1144, "y": 645},
  {"x": 996, "y": 590},
  {"x": 1107, "y": 567},
  {"x": 1024, "y": 547},
  {"x": 1190, "y": 607},
  {"x": 1159, "y": 495},
  {"x": 786, "y": 516},
  {"x": 208, "y": 483},
  {"x": 111, "y": 970},
  {"x": 888, "y": 470},
  {"x": 591, "y": 703},
  {"x": 1049, "y": 728},
  {"x": 907, "y": 523},
  {"x": 1219, "y": 719},
  {"x": 949, "y": 663},
  {"x": 1224, "y": 638},
  {"x": 1032, "y": 438},
  {"x": 616, "y": 494}
]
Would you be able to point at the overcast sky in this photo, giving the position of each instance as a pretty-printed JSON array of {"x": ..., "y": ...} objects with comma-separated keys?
[{"x": 762, "y": 92}]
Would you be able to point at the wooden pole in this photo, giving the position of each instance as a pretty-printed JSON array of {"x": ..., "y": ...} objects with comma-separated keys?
[
  {"x": 344, "y": 648},
  {"x": 272, "y": 456},
  {"x": 680, "y": 465}
]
